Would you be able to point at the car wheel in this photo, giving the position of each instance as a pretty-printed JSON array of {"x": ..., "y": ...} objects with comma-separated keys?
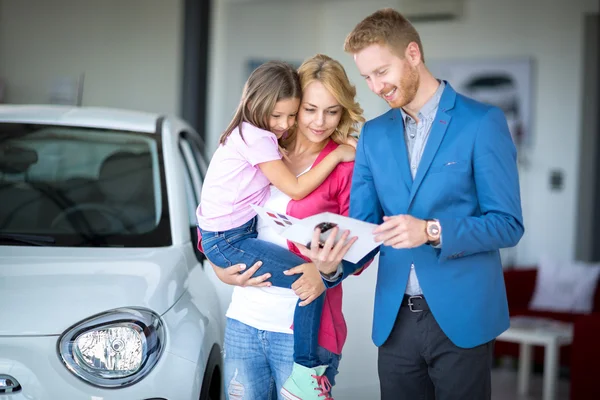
[{"x": 212, "y": 381}]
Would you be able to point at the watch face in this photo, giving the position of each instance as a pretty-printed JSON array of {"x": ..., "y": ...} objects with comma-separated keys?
[{"x": 433, "y": 229}]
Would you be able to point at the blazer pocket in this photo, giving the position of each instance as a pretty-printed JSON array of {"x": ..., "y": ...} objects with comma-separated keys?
[{"x": 450, "y": 166}]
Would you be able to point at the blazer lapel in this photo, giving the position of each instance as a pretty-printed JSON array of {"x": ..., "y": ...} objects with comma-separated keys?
[
  {"x": 436, "y": 135},
  {"x": 397, "y": 146}
]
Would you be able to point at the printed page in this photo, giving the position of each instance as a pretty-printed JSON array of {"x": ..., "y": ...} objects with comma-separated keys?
[{"x": 301, "y": 230}]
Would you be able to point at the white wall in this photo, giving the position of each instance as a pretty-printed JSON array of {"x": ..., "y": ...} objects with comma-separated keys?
[
  {"x": 245, "y": 29},
  {"x": 130, "y": 51},
  {"x": 549, "y": 31}
]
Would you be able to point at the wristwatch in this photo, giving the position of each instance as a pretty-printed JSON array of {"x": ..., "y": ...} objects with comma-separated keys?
[{"x": 433, "y": 230}]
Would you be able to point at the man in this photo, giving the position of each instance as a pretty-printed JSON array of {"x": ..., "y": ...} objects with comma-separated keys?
[{"x": 438, "y": 174}]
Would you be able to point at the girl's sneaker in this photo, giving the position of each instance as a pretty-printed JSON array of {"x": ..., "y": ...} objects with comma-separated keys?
[{"x": 307, "y": 384}]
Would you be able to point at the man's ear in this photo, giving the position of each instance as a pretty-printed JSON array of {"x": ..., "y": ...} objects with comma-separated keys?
[{"x": 413, "y": 54}]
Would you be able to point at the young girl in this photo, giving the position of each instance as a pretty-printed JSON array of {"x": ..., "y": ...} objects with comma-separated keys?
[{"x": 247, "y": 161}]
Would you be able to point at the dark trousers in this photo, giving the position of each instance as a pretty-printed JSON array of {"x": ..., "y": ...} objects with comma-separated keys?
[{"x": 419, "y": 362}]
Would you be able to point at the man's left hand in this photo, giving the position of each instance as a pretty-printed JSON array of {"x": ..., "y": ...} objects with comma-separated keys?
[
  {"x": 402, "y": 232},
  {"x": 310, "y": 285}
]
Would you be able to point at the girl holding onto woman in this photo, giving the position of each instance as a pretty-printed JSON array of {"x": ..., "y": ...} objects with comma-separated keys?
[
  {"x": 259, "y": 348},
  {"x": 247, "y": 162}
]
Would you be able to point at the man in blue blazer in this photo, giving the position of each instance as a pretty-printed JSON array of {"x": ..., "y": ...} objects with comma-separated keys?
[{"x": 438, "y": 174}]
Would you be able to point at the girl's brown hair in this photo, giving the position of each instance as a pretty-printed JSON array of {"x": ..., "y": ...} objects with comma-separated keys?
[{"x": 269, "y": 83}]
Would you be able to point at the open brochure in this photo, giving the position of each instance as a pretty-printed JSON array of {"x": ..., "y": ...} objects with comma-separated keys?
[{"x": 301, "y": 230}]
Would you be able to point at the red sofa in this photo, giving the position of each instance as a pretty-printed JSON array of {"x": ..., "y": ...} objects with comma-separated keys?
[{"x": 582, "y": 357}]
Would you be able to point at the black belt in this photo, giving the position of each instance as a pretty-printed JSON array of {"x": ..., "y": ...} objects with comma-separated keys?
[{"x": 415, "y": 303}]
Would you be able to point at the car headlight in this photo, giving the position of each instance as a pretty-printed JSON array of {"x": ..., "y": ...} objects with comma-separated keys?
[{"x": 114, "y": 349}]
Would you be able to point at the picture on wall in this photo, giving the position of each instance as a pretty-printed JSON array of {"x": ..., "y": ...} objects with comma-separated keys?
[
  {"x": 2, "y": 90},
  {"x": 67, "y": 90},
  {"x": 505, "y": 83}
]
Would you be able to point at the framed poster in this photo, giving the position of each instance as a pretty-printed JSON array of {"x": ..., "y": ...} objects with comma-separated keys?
[{"x": 505, "y": 83}]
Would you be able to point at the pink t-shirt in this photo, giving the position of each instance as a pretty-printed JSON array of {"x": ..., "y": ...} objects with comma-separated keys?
[{"x": 234, "y": 181}]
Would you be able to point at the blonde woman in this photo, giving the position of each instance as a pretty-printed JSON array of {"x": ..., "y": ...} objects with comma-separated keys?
[
  {"x": 259, "y": 347},
  {"x": 246, "y": 163}
]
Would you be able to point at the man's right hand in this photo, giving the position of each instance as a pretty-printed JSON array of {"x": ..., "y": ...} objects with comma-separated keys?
[
  {"x": 328, "y": 258},
  {"x": 237, "y": 275}
]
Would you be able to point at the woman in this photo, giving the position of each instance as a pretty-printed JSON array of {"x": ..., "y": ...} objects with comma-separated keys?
[{"x": 258, "y": 351}]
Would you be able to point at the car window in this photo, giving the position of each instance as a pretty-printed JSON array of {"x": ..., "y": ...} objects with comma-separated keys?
[
  {"x": 196, "y": 145},
  {"x": 192, "y": 166},
  {"x": 82, "y": 187},
  {"x": 193, "y": 185},
  {"x": 190, "y": 194}
]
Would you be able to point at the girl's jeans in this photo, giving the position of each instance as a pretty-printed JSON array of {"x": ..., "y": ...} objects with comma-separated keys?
[
  {"x": 257, "y": 363},
  {"x": 241, "y": 246}
]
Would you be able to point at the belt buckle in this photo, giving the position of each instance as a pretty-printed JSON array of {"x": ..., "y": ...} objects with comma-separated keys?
[{"x": 411, "y": 304}]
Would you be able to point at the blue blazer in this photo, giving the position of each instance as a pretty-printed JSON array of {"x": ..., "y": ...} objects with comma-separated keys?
[{"x": 468, "y": 180}]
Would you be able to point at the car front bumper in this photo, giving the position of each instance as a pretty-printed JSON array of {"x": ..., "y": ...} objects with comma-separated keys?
[{"x": 36, "y": 365}]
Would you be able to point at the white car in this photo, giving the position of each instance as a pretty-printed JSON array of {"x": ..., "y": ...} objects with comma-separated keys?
[{"x": 102, "y": 289}]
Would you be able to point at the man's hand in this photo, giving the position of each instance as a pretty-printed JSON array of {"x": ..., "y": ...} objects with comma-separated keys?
[
  {"x": 310, "y": 285},
  {"x": 402, "y": 232},
  {"x": 236, "y": 276},
  {"x": 329, "y": 256}
]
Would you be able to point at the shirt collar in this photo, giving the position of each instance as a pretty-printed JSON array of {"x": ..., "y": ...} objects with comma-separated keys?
[{"x": 428, "y": 108}]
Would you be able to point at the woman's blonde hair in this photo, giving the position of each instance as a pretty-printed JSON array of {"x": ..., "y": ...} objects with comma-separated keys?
[
  {"x": 269, "y": 83},
  {"x": 332, "y": 75}
]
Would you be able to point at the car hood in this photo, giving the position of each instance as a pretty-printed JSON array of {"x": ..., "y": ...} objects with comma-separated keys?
[{"x": 45, "y": 290}]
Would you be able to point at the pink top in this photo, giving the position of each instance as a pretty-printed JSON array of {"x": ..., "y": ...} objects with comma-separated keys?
[
  {"x": 234, "y": 181},
  {"x": 333, "y": 195}
]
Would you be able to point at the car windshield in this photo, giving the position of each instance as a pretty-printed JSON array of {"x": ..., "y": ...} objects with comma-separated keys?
[{"x": 72, "y": 186}]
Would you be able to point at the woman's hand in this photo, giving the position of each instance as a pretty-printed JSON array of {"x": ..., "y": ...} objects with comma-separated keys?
[
  {"x": 310, "y": 285},
  {"x": 345, "y": 152},
  {"x": 236, "y": 276},
  {"x": 328, "y": 256}
]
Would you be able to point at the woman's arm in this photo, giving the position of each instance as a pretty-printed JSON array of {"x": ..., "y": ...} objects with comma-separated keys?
[
  {"x": 299, "y": 187},
  {"x": 236, "y": 276},
  {"x": 310, "y": 285}
]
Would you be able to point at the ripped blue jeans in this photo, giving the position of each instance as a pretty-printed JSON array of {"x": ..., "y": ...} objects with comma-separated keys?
[{"x": 257, "y": 363}]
